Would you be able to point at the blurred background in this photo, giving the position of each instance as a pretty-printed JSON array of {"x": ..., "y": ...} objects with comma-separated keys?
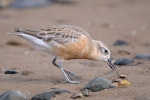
[
  {"x": 122, "y": 18},
  {"x": 105, "y": 20}
]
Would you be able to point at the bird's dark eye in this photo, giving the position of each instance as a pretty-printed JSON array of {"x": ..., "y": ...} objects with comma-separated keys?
[{"x": 105, "y": 51}]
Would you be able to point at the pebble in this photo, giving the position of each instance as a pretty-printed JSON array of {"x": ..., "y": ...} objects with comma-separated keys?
[
  {"x": 142, "y": 56},
  {"x": 121, "y": 83},
  {"x": 122, "y": 76},
  {"x": 120, "y": 43},
  {"x": 77, "y": 95},
  {"x": 98, "y": 84},
  {"x": 26, "y": 73},
  {"x": 48, "y": 95},
  {"x": 11, "y": 72},
  {"x": 29, "y": 3},
  {"x": 86, "y": 92},
  {"x": 63, "y": 1},
  {"x": 123, "y": 61},
  {"x": 13, "y": 43},
  {"x": 13, "y": 95}
]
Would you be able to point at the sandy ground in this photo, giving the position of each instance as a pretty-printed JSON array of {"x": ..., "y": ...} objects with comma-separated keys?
[{"x": 105, "y": 20}]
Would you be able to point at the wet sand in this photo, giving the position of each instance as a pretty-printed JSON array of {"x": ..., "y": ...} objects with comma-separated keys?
[{"x": 107, "y": 21}]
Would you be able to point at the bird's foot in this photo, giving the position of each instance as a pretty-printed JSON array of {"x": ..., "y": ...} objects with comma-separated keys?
[{"x": 72, "y": 75}]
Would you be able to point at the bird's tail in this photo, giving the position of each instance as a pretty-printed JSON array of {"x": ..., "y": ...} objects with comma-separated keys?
[
  {"x": 20, "y": 31},
  {"x": 32, "y": 37}
]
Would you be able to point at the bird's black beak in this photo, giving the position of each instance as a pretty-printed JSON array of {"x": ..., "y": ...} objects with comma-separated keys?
[{"x": 111, "y": 65}]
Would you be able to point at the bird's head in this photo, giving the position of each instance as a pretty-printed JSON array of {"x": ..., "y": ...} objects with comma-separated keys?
[{"x": 104, "y": 54}]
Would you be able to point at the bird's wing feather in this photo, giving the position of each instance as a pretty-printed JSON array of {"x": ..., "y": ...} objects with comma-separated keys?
[{"x": 62, "y": 34}]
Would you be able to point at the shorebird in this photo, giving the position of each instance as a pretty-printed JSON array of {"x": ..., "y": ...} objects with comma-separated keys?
[{"x": 67, "y": 42}]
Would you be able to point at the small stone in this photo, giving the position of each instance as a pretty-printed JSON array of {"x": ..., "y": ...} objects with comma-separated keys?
[
  {"x": 142, "y": 56},
  {"x": 30, "y": 3},
  {"x": 120, "y": 43},
  {"x": 98, "y": 84},
  {"x": 13, "y": 43},
  {"x": 121, "y": 83},
  {"x": 86, "y": 92},
  {"x": 65, "y": 2},
  {"x": 116, "y": 80},
  {"x": 48, "y": 95},
  {"x": 123, "y": 61},
  {"x": 13, "y": 95},
  {"x": 11, "y": 72},
  {"x": 77, "y": 95},
  {"x": 122, "y": 76},
  {"x": 147, "y": 45},
  {"x": 26, "y": 73}
]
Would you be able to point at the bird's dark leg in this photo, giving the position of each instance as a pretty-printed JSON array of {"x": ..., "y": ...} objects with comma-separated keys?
[
  {"x": 54, "y": 62},
  {"x": 70, "y": 74}
]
